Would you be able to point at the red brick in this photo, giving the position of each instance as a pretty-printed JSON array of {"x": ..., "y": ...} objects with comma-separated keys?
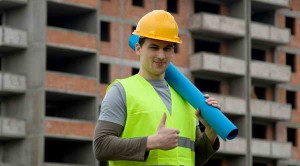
[
  {"x": 70, "y": 38},
  {"x": 127, "y": 71},
  {"x": 102, "y": 90},
  {"x": 90, "y": 3},
  {"x": 111, "y": 7},
  {"x": 297, "y": 148},
  {"x": 115, "y": 72},
  {"x": 224, "y": 88},
  {"x": 181, "y": 58},
  {"x": 224, "y": 49},
  {"x": 281, "y": 131},
  {"x": 224, "y": 10},
  {"x": 281, "y": 56},
  {"x": 112, "y": 47},
  {"x": 270, "y": 132},
  {"x": 269, "y": 55},
  {"x": 59, "y": 81},
  {"x": 297, "y": 29},
  {"x": 269, "y": 94},
  {"x": 69, "y": 128},
  {"x": 280, "y": 20},
  {"x": 295, "y": 5},
  {"x": 128, "y": 52},
  {"x": 183, "y": 13},
  {"x": 136, "y": 12},
  {"x": 295, "y": 42},
  {"x": 281, "y": 95}
]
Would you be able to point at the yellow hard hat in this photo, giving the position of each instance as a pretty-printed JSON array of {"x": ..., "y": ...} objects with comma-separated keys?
[{"x": 159, "y": 25}]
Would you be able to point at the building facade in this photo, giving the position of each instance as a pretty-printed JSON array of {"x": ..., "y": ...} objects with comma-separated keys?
[{"x": 58, "y": 56}]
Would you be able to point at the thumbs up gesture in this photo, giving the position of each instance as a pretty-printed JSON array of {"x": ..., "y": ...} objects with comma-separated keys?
[{"x": 165, "y": 138}]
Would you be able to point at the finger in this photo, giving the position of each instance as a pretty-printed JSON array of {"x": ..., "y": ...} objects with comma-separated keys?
[
  {"x": 206, "y": 95},
  {"x": 163, "y": 121},
  {"x": 210, "y": 99},
  {"x": 216, "y": 105}
]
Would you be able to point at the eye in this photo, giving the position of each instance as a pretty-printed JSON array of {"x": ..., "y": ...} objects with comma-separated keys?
[
  {"x": 168, "y": 49},
  {"x": 153, "y": 48}
]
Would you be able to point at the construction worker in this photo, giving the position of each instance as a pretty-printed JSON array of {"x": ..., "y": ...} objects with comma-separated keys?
[{"x": 143, "y": 121}]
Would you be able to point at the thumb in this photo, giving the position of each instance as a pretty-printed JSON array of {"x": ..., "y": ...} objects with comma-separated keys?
[{"x": 163, "y": 121}]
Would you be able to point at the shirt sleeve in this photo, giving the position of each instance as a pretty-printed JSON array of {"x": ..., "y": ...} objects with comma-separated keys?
[
  {"x": 108, "y": 145},
  {"x": 204, "y": 150},
  {"x": 113, "y": 106}
]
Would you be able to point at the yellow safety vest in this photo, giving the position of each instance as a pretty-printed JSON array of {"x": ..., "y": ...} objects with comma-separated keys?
[{"x": 144, "y": 112}]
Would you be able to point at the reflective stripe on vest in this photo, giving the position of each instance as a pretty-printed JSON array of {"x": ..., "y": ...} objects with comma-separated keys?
[{"x": 144, "y": 112}]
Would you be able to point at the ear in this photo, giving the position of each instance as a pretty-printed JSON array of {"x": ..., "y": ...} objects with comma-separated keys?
[{"x": 138, "y": 49}]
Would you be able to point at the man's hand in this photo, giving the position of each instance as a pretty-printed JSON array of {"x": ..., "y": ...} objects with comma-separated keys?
[
  {"x": 165, "y": 138},
  {"x": 211, "y": 134}
]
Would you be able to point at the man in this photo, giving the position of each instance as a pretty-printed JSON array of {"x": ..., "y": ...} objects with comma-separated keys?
[{"x": 143, "y": 121}]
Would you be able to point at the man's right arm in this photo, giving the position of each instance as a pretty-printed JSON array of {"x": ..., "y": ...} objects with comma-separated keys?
[
  {"x": 109, "y": 146},
  {"x": 107, "y": 142}
]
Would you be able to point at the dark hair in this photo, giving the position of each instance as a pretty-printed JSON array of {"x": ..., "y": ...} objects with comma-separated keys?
[{"x": 142, "y": 41}]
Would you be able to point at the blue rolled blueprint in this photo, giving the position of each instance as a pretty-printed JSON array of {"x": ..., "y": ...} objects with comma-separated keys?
[{"x": 187, "y": 90}]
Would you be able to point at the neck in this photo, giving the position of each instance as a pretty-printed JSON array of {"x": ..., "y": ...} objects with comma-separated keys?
[{"x": 148, "y": 76}]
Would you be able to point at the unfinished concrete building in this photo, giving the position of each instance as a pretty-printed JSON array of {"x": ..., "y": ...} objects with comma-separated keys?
[{"x": 58, "y": 56}]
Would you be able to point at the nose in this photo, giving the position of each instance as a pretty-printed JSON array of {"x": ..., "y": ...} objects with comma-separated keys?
[{"x": 161, "y": 54}]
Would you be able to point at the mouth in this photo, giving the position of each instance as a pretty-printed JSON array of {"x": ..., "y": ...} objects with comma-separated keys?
[{"x": 160, "y": 62}]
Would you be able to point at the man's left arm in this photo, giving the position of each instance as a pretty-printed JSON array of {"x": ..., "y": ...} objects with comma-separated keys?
[{"x": 206, "y": 146}]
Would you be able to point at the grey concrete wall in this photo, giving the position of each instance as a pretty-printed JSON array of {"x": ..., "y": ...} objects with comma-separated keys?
[
  {"x": 29, "y": 63},
  {"x": 236, "y": 146},
  {"x": 270, "y": 72},
  {"x": 204, "y": 61},
  {"x": 222, "y": 25}
]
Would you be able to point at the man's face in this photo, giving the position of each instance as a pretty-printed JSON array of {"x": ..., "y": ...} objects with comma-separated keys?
[{"x": 155, "y": 56}]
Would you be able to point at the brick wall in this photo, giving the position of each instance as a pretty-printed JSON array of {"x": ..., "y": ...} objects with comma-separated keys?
[
  {"x": 69, "y": 128},
  {"x": 110, "y": 7},
  {"x": 111, "y": 47},
  {"x": 59, "y": 36},
  {"x": 64, "y": 82}
]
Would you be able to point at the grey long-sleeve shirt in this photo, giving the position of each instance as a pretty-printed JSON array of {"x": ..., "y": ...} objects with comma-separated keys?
[{"x": 107, "y": 142}]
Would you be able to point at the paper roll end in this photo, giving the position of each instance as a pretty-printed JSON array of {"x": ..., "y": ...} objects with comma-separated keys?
[{"x": 233, "y": 134}]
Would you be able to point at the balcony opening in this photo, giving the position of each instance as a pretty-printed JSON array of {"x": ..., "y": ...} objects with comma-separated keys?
[
  {"x": 213, "y": 162},
  {"x": 134, "y": 71},
  {"x": 259, "y": 164},
  {"x": 290, "y": 23},
  {"x": 68, "y": 151},
  {"x": 201, "y": 6},
  {"x": 291, "y": 98},
  {"x": 208, "y": 46},
  {"x": 69, "y": 106},
  {"x": 263, "y": 17},
  {"x": 205, "y": 85},
  {"x": 105, "y": 31},
  {"x": 104, "y": 73},
  {"x": 292, "y": 136},
  {"x": 71, "y": 17},
  {"x": 172, "y": 6},
  {"x": 291, "y": 61},
  {"x": 258, "y": 54},
  {"x": 70, "y": 61},
  {"x": 133, "y": 28},
  {"x": 260, "y": 92},
  {"x": 259, "y": 131},
  {"x": 139, "y": 3}
]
